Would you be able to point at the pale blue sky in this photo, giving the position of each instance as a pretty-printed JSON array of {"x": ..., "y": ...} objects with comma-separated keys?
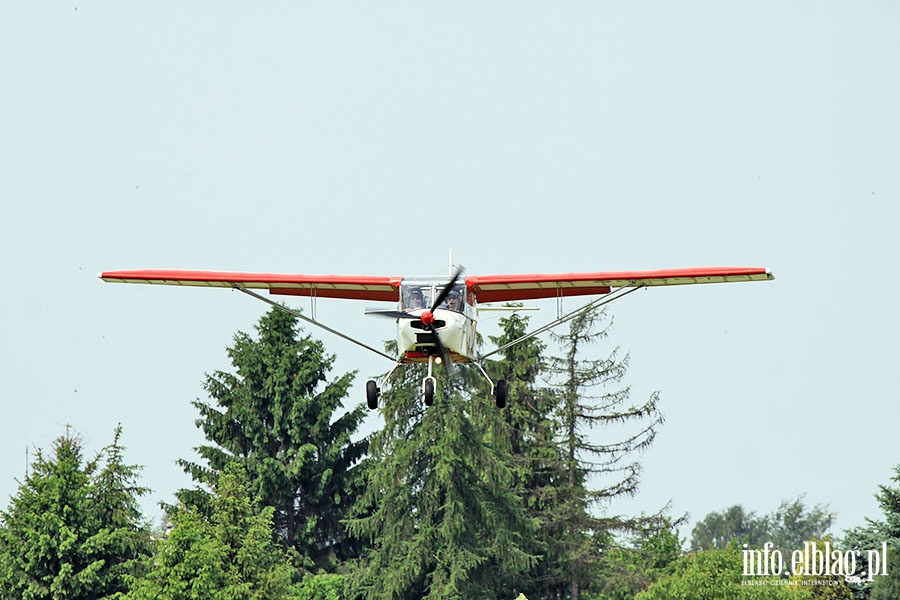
[{"x": 529, "y": 137}]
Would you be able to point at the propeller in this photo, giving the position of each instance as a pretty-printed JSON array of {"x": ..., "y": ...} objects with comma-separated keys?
[
  {"x": 428, "y": 320},
  {"x": 394, "y": 314},
  {"x": 447, "y": 288}
]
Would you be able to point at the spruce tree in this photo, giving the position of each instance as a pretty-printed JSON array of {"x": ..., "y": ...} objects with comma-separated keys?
[
  {"x": 124, "y": 538},
  {"x": 590, "y": 397},
  {"x": 871, "y": 537},
  {"x": 71, "y": 532},
  {"x": 527, "y": 439},
  {"x": 440, "y": 509},
  {"x": 229, "y": 555},
  {"x": 276, "y": 415},
  {"x": 565, "y": 478}
]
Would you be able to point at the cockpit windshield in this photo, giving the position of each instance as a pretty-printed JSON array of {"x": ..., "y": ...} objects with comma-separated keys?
[{"x": 421, "y": 294}]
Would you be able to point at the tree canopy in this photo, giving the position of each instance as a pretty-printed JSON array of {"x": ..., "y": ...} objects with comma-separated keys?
[
  {"x": 788, "y": 527},
  {"x": 74, "y": 529},
  {"x": 228, "y": 555},
  {"x": 461, "y": 499},
  {"x": 279, "y": 415},
  {"x": 590, "y": 396},
  {"x": 439, "y": 510},
  {"x": 872, "y": 536}
]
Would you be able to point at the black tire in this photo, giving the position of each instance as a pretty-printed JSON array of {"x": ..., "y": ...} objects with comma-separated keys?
[
  {"x": 371, "y": 395},
  {"x": 429, "y": 392},
  {"x": 500, "y": 392}
]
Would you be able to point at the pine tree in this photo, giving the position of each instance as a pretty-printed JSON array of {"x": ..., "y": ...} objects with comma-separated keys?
[
  {"x": 589, "y": 398},
  {"x": 544, "y": 437},
  {"x": 71, "y": 532},
  {"x": 527, "y": 439},
  {"x": 124, "y": 540},
  {"x": 276, "y": 416},
  {"x": 439, "y": 509},
  {"x": 529, "y": 421},
  {"x": 229, "y": 556},
  {"x": 871, "y": 537}
]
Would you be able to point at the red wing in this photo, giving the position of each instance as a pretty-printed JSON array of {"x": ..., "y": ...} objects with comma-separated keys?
[
  {"x": 506, "y": 288},
  {"x": 354, "y": 287}
]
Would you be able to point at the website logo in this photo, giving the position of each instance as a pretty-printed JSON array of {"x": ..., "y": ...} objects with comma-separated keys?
[{"x": 816, "y": 559}]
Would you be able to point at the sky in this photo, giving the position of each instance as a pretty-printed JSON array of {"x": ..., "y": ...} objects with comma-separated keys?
[{"x": 361, "y": 138}]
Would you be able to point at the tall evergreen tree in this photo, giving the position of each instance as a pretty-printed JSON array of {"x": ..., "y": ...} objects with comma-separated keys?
[
  {"x": 555, "y": 403},
  {"x": 124, "y": 536},
  {"x": 530, "y": 426},
  {"x": 590, "y": 397},
  {"x": 440, "y": 508},
  {"x": 527, "y": 438},
  {"x": 871, "y": 537},
  {"x": 275, "y": 414},
  {"x": 71, "y": 531},
  {"x": 231, "y": 555}
]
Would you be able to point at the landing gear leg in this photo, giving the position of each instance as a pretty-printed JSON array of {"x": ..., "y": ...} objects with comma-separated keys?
[
  {"x": 428, "y": 384},
  {"x": 499, "y": 391},
  {"x": 373, "y": 390}
]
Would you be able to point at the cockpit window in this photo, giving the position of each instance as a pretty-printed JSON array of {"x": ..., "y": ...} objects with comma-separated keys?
[
  {"x": 415, "y": 295},
  {"x": 455, "y": 299},
  {"x": 415, "y": 298}
]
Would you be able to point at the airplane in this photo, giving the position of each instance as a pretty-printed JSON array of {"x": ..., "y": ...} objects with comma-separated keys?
[{"x": 437, "y": 316}]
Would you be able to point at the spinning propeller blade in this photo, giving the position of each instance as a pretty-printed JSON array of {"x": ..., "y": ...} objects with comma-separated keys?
[
  {"x": 394, "y": 314},
  {"x": 445, "y": 354},
  {"x": 447, "y": 288}
]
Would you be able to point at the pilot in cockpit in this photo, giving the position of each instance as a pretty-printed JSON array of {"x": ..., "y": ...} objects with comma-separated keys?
[
  {"x": 454, "y": 301},
  {"x": 416, "y": 300}
]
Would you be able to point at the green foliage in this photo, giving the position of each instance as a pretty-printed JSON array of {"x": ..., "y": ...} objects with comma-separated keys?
[
  {"x": 625, "y": 570},
  {"x": 324, "y": 586},
  {"x": 590, "y": 396},
  {"x": 793, "y": 523},
  {"x": 73, "y": 531},
  {"x": 439, "y": 509},
  {"x": 544, "y": 440},
  {"x": 717, "y": 574},
  {"x": 525, "y": 437},
  {"x": 872, "y": 536},
  {"x": 717, "y": 530},
  {"x": 826, "y": 587},
  {"x": 888, "y": 586},
  {"x": 276, "y": 416},
  {"x": 229, "y": 556},
  {"x": 788, "y": 527}
]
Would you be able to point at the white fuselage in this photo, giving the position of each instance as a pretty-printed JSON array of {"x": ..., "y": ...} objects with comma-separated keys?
[{"x": 456, "y": 330}]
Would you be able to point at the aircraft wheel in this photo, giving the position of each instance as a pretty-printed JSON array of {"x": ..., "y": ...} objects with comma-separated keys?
[
  {"x": 429, "y": 392},
  {"x": 371, "y": 394},
  {"x": 500, "y": 392}
]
